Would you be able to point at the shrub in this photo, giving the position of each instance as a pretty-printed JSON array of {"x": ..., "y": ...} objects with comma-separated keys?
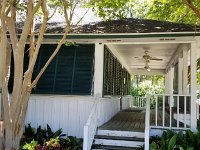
[
  {"x": 177, "y": 140},
  {"x": 46, "y": 139}
]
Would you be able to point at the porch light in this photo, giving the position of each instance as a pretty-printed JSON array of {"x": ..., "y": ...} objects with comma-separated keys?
[{"x": 147, "y": 68}]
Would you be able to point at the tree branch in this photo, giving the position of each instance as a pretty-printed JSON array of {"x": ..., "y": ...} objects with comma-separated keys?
[
  {"x": 18, "y": 60},
  {"x": 11, "y": 27},
  {"x": 192, "y": 7},
  {"x": 33, "y": 58},
  {"x": 50, "y": 59},
  {"x": 53, "y": 13},
  {"x": 82, "y": 17},
  {"x": 66, "y": 14}
]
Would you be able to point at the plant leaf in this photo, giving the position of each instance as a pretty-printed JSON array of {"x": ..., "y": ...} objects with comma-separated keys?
[{"x": 172, "y": 142}]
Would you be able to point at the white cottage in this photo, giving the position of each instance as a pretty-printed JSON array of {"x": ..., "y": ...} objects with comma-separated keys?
[{"x": 87, "y": 85}]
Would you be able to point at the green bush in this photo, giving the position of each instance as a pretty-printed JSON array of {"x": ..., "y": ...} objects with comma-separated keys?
[
  {"x": 46, "y": 139},
  {"x": 169, "y": 140},
  {"x": 147, "y": 87}
]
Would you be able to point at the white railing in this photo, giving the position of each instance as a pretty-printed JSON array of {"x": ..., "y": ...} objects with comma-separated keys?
[
  {"x": 91, "y": 125},
  {"x": 139, "y": 102},
  {"x": 165, "y": 111},
  {"x": 170, "y": 111},
  {"x": 147, "y": 123}
]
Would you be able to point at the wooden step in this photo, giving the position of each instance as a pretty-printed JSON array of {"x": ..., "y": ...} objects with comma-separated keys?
[
  {"x": 120, "y": 133},
  {"x": 119, "y": 142},
  {"x": 108, "y": 147},
  {"x": 119, "y": 138}
]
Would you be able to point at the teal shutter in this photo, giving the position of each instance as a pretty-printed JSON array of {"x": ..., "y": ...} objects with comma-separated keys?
[{"x": 70, "y": 72}]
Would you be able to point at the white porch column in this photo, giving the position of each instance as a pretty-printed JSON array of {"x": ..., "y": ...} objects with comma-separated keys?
[
  {"x": 171, "y": 80},
  {"x": 180, "y": 75},
  {"x": 185, "y": 70},
  {"x": 193, "y": 87},
  {"x": 98, "y": 68},
  {"x": 167, "y": 82}
]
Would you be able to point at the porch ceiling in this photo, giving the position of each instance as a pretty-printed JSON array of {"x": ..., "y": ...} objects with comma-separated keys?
[{"x": 132, "y": 56}]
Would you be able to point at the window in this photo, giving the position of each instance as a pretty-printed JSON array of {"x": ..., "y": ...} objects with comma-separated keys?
[{"x": 70, "y": 72}]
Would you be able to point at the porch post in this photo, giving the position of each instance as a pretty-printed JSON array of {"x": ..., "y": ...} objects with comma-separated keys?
[
  {"x": 185, "y": 70},
  {"x": 167, "y": 82},
  {"x": 171, "y": 80},
  {"x": 180, "y": 74},
  {"x": 98, "y": 68},
  {"x": 193, "y": 87}
]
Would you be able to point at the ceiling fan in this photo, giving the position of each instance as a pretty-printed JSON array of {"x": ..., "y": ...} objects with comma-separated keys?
[
  {"x": 146, "y": 56},
  {"x": 147, "y": 59}
]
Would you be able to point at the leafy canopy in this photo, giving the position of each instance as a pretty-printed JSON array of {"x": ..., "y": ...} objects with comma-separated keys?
[
  {"x": 163, "y": 10},
  {"x": 173, "y": 10}
]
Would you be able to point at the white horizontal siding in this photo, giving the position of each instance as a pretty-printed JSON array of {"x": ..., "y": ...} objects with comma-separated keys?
[{"x": 67, "y": 112}]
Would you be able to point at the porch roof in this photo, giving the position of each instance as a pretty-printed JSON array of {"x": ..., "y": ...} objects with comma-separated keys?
[
  {"x": 129, "y": 25},
  {"x": 132, "y": 25}
]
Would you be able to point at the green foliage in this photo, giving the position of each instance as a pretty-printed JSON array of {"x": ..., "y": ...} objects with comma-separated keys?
[
  {"x": 30, "y": 146},
  {"x": 163, "y": 10},
  {"x": 71, "y": 44},
  {"x": 147, "y": 84},
  {"x": 169, "y": 140},
  {"x": 53, "y": 143},
  {"x": 46, "y": 139},
  {"x": 109, "y": 10},
  {"x": 74, "y": 143},
  {"x": 173, "y": 11}
]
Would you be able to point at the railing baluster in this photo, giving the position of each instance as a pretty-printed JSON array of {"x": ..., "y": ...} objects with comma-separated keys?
[
  {"x": 163, "y": 110},
  {"x": 156, "y": 118},
  {"x": 177, "y": 111},
  {"x": 170, "y": 111},
  {"x": 139, "y": 102},
  {"x": 143, "y": 102},
  {"x": 185, "y": 111},
  {"x": 136, "y": 101}
]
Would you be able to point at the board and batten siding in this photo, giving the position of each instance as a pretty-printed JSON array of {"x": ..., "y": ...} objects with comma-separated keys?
[
  {"x": 108, "y": 108},
  {"x": 68, "y": 112},
  {"x": 126, "y": 101}
]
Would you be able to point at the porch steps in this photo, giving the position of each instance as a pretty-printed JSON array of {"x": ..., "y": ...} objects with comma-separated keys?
[{"x": 118, "y": 140}]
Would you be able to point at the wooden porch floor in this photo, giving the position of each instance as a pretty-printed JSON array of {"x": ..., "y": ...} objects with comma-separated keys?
[{"x": 133, "y": 119}]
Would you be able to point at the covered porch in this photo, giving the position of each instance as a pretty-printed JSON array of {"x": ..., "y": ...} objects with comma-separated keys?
[{"x": 176, "y": 108}]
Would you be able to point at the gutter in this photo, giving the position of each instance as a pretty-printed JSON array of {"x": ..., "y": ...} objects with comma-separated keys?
[{"x": 120, "y": 35}]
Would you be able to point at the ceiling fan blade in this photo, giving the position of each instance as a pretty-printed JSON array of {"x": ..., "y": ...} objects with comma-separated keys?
[{"x": 157, "y": 59}]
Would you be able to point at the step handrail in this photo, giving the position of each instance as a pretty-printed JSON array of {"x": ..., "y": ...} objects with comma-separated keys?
[{"x": 91, "y": 125}]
